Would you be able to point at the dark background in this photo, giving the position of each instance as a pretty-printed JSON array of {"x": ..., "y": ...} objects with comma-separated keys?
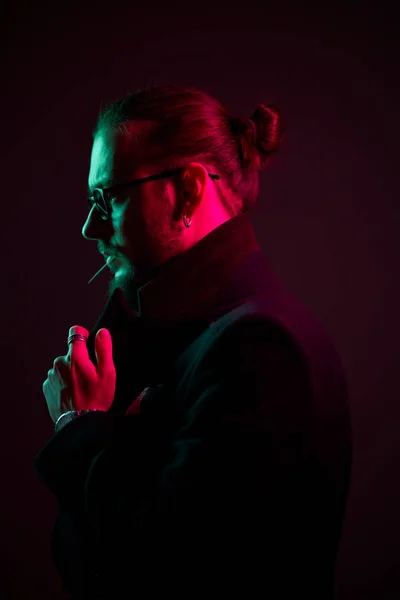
[{"x": 328, "y": 220}]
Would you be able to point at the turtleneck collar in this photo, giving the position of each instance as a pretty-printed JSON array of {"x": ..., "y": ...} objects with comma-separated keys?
[
  {"x": 190, "y": 282},
  {"x": 177, "y": 305},
  {"x": 188, "y": 286}
]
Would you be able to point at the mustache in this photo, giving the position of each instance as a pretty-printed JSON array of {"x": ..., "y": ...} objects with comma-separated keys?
[
  {"x": 105, "y": 250},
  {"x": 109, "y": 250}
]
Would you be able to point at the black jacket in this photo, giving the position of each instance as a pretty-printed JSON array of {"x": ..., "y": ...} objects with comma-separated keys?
[{"x": 229, "y": 474}]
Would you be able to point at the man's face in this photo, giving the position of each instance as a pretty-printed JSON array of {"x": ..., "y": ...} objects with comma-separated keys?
[{"x": 141, "y": 232}]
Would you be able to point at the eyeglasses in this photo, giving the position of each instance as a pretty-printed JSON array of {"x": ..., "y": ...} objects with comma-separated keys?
[{"x": 100, "y": 196}]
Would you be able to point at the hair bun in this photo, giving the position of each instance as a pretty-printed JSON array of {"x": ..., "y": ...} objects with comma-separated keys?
[{"x": 266, "y": 123}]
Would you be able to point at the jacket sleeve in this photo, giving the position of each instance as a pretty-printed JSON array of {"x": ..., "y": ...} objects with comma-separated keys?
[{"x": 231, "y": 476}]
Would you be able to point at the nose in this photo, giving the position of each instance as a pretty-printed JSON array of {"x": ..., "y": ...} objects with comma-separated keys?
[{"x": 95, "y": 228}]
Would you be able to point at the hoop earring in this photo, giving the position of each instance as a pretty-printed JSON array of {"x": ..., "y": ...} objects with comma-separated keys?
[{"x": 186, "y": 222}]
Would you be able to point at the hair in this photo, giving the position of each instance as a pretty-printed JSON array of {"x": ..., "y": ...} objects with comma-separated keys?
[{"x": 187, "y": 124}]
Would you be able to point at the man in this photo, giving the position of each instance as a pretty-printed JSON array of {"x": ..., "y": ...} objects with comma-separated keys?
[{"x": 203, "y": 441}]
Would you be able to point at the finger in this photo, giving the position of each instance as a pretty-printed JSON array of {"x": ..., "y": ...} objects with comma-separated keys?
[
  {"x": 47, "y": 390},
  {"x": 103, "y": 350},
  {"x": 77, "y": 349},
  {"x": 49, "y": 382},
  {"x": 53, "y": 375},
  {"x": 62, "y": 370},
  {"x": 77, "y": 329}
]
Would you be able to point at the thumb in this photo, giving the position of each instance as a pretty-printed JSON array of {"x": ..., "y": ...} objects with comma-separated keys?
[{"x": 103, "y": 350}]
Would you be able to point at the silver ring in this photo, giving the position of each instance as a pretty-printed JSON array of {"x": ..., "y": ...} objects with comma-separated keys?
[{"x": 77, "y": 337}]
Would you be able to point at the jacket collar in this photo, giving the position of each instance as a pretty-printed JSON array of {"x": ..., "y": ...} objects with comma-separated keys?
[
  {"x": 178, "y": 304},
  {"x": 188, "y": 286},
  {"x": 190, "y": 282}
]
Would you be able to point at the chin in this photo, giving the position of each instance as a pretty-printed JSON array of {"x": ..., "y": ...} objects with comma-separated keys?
[{"x": 127, "y": 280}]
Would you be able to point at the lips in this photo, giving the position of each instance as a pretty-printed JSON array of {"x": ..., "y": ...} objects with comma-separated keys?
[
  {"x": 109, "y": 258},
  {"x": 114, "y": 262},
  {"x": 107, "y": 253}
]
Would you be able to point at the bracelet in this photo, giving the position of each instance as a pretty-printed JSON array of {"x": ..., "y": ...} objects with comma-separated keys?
[{"x": 70, "y": 415}]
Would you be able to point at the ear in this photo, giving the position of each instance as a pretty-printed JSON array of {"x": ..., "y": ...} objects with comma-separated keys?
[
  {"x": 194, "y": 184},
  {"x": 195, "y": 177}
]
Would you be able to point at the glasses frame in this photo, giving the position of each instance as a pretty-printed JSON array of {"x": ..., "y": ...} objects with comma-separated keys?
[{"x": 105, "y": 209}]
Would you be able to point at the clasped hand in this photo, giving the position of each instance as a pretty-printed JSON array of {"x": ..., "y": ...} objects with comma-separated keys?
[{"x": 75, "y": 383}]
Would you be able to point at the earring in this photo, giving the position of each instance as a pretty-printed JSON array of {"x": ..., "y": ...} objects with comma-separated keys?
[{"x": 186, "y": 222}]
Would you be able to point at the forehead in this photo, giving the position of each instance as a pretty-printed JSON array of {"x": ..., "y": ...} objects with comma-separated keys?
[
  {"x": 103, "y": 158},
  {"x": 116, "y": 156}
]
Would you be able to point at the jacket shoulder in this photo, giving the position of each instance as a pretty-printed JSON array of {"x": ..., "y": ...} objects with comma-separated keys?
[{"x": 284, "y": 333}]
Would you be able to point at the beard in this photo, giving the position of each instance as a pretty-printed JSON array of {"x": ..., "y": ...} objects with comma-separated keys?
[
  {"x": 130, "y": 279},
  {"x": 159, "y": 248},
  {"x": 129, "y": 283}
]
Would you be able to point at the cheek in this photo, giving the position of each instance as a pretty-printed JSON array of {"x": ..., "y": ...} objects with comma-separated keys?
[
  {"x": 130, "y": 228},
  {"x": 121, "y": 221},
  {"x": 117, "y": 221}
]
